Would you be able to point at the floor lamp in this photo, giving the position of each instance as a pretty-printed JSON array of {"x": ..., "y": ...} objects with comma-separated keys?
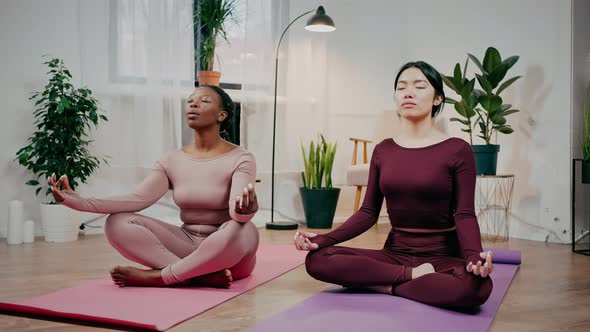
[{"x": 319, "y": 22}]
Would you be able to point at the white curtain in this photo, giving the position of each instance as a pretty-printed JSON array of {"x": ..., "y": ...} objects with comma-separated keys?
[
  {"x": 136, "y": 56},
  {"x": 302, "y": 94}
]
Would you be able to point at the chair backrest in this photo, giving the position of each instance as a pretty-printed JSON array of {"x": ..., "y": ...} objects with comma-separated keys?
[{"x": 355, "y": 149}]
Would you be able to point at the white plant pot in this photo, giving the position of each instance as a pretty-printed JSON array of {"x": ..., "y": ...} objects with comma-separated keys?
[{"x": 60, "y": 223}]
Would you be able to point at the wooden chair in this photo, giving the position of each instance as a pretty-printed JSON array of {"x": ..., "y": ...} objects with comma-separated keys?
[{"x": 358, "y": 174}]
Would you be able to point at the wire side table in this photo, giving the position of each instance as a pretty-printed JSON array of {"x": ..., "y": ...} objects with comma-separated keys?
[
  {"x": 493, "y": 204},
  {"x": 580, "y": 244}
]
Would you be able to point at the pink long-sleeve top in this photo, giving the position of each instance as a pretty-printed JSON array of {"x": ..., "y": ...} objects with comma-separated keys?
[
  {"x": 430, "y": 187},
  {"x": 204, "y": 189}
]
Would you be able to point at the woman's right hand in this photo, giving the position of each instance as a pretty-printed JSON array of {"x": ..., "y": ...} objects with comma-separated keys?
[
  {"x": 56, "y": 185},
  {"x": 302, "y": 241}
]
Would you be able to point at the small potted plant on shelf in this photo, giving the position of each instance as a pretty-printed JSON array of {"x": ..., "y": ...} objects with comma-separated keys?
[
  {"x": 318, "y": 195},
  {"x": 490, "y": 117},
  {"x": 211, "y": 18},
  {"x": 586, "y": 143},
  {"x": 59, "y": 145}
]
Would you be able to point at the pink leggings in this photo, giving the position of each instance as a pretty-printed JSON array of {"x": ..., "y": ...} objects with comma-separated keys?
[
  {"x": 184, "y": 252},
  {"x": 450, "y": 286}
]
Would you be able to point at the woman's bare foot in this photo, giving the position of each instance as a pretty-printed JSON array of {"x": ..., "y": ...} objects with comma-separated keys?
[
  {"x": 421, "y": 270},
  {"x": 219, "y": 279},
  {"x": 131, "y": 276}
]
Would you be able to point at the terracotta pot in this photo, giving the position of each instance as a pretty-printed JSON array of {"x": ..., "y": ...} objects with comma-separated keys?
[{"x": 209, "y": 77}]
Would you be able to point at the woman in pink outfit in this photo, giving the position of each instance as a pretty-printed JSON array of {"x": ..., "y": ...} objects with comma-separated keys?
[{"x": 212, "y": 182}]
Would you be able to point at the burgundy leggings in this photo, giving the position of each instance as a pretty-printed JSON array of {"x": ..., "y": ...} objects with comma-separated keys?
[{"x": 451, "y": 285}]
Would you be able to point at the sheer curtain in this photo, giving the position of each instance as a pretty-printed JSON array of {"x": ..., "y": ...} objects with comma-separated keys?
[
  {"x": 302, "y": 97},
  {"x": 136, "y": 55}
]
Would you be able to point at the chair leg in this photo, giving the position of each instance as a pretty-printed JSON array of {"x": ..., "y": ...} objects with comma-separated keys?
[{"x": 357, "y": 199}]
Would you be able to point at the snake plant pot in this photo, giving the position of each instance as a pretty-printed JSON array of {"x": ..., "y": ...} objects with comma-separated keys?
[
  {"x": 486, "y": 158},
  {"x": 586, "y": 171},
  {"x": 319, "y": 206},
  {"x": 60, "y": 223}
]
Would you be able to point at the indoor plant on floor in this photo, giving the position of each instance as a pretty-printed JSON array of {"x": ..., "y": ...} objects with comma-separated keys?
[
  {"x": 210, "y": 21},
  {"x": 490, "y": 117},
  {"x": 317, "y": 194},
  {"x": 59, "y": 145}
]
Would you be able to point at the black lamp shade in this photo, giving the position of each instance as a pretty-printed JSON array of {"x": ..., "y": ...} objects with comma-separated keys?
[{"x": 320, "y": 22}]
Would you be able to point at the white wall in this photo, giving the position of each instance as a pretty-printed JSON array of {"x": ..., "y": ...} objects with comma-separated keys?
[{"x": 374, "y": 38}]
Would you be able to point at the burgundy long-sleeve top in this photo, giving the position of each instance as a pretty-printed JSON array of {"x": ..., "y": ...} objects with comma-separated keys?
[{"x": 431, "y": 187}]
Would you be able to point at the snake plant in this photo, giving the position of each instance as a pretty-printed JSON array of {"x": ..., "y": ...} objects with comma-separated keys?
[{"x": 318, "y": 162}]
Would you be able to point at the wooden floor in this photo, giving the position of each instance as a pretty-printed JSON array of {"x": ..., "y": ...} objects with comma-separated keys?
[{"x": 551, "y": 291}]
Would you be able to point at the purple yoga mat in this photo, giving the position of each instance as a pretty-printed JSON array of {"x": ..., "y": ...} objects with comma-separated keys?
[
  {"x": 505, "y": 256},
  {"x": 343, "y": 310}
]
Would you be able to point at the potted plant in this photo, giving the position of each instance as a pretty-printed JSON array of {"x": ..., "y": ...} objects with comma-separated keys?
[
  {"x": 59, "y": 145},
  {"x": 211, "y": 17},
  {"x": 317, "y": 194},
  {"x": 490, "y": 117},
  {"x": 586, "y": 143}
]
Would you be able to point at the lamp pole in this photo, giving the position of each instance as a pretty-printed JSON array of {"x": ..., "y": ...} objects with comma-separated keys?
[
  {"x": 274, "y": 121},
  {"x": 319, "y": 19}
]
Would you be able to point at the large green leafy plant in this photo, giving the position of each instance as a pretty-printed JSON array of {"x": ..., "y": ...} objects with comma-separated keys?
[
  {"x": 212, "y": 17},
  {"x": 491, "y": 115},
  {"x": 318, "y": 162},
  {"x": 59, "y": 145}
]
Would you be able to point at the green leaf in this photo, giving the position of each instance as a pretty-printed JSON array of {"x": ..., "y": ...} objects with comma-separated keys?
[
  {"x": 505, "y": 107},
  {"x": 465, "y": 122},
  {"x": 65, "y": 102},
  {"x": 490, "y": 102},
  {"x": 450, "y": 100},
  {"x": 37, "y": 191},
  {"x": 496, "y": 76},
  {"x": 22, "y": 158},
  {"x": 449, "y": 83},
  {"x": 457, "y": 72},
  {"x": 469, "y": 112},
  {"x": 456, "y": 85},
  {"x": 507, "y": 84},
  {"x": 477, "y": 63},
  {"x": 32, "y": 183},
  {"x": 505, "y": 130},
  {"x": 498, "y": 120},
  {"x": 491, "y": 59},
  {"x": 478, "y": 93},
  {"x": 509, "y": 112},
  {"x": 466, "y": 130},
  {"x": 510, "y": 61},
  {"x": 460, "y": 108},
  {"x": 484, "y": 83},
  {"x": 468, "y": 89}
]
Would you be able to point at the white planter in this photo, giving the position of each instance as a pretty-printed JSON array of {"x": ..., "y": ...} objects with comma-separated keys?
[{"x": 60, "y": 223}]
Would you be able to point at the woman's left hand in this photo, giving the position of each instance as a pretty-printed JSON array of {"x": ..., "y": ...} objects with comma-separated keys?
[
  {"x": 482, "y": 270},
  {"x": 247, "y": 203}
]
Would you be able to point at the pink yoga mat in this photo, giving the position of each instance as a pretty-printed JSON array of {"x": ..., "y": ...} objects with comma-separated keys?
[
  {"x": 153, "y": 308},
  {"x": 343, "y": 310}
]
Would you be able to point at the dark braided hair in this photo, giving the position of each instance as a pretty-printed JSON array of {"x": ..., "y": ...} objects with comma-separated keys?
[
  {"x": 433, "y": 77},
  {"x": 227, "y": 104}
]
